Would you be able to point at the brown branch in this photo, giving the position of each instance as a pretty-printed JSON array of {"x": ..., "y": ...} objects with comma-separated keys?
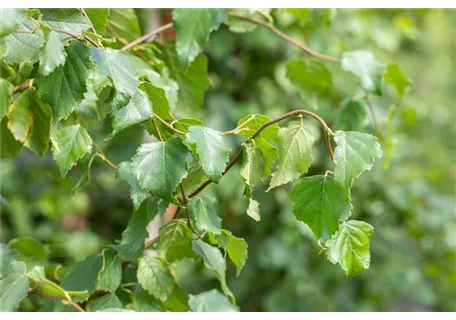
[
  {"x": 68, "y": 33},
  {"x": 23, "y": 86},
  {"x": 55, "y": 298},
  {"x": 169, "y": 126},
  {"x": 116, "y": 35},
  {"x": 286, "y": 38},
  {"x": 147, "y": 36},
  {"x": 103, "y": 156},
  {"x": 156, "y": 129},
  {"x": 189, "y": 220},
  {"x": 91, "y": 26},
  {"x": 326, "y": 129}
]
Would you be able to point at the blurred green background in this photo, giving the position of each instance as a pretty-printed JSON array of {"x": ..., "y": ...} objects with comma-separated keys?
[{"x": 409, "y": 197}]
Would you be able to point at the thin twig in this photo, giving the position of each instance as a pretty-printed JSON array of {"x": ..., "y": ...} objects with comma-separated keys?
[
  {"x": 187, "y": 210},
  {"x": 103, "y": 156},
  {"x": 169, "y": 126},
  {"x": 69, "y": 33},
  {"x": 91, "y": 26},
  {"x": 156, "y": 129},
  {"x": 23, "y": 86},
  {"x": 116, "y": 35},
  {"x": 147, "y": 36},
  {"x": 286, "y": 38}
]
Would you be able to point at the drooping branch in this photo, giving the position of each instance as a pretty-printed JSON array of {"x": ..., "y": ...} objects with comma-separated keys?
[
  {"x": 147, "y": 37},
  {"x": 103, "y": 156},
  {"x": 327, "y": 131},
  {"x": 286, "y": 37}
]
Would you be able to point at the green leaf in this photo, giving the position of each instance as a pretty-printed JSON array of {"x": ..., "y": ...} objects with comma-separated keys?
[
  {"x": 398, "y": 79},
  {"x": 211, "y": 301},
  {"x": 213, "y": 150},
  {"x": 175, "y": 240},
  {"x": 30, "y": 122},
  {"x": 137, "y": 110},
  {"x": 241, "y": 26},
  {"x": 366, "y": 68},
  {"x": 253, "y": 168},
  {"x": 64, "y": 88},
  {"x": 115, "y": 64},
  {"x": 9, "y": 146},
  {"x": 14, "y": 287},
  {"x": 66, "y": 19},
  {"x": 98, "y": 18},
  {"x": 192, "y": 82},
  {"x": 194, "y": 27},
  {"x": 144, "y": 302},
  {"x": 7, "y": 255},
  {"x": 11, "y": 19},
  {"x": 131, "y": 246},
  {"x": 350, "y": 246},
  {"x": 159, "y": 101},
  {"x": 203, "y": 211},
  {"x": 352, "y": 115},
  {"x": 109, "y": 301},
  {"x": 53, "y": 54},
  {"x": 355, "y": 153},
  {"x": 70, "y": 145},
  {"x": 320, "y": 202},
  {"x": 234, "y": 246},
  {"x": 214, "y": 261},
  {"x": 6, "y": 92},
  {"x": 137, "y": 194},
  {"x": 296, "y": 143},
  {"x": 31, "y": 251},
  {"x": 23, "y": 46},
  {"x": 154, "y": 277},
  {"x": 110, "y": 274},
  {"x": 161, "y": 166},
  {"x": 309, "y": 75},
  {"x": 125, "y": 23},
  {"x": 177, "y": 301},
  {"x": 84, "y": 275},
  {"x": 247, "y": 127}
]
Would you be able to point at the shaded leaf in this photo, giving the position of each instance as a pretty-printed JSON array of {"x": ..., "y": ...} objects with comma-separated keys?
[
  {"x": 175, "y": 240},
  {"x": 144, "y": 302},
  {"x": 115, "y": 64},
  {"x": 137, "y": 194},
  {"x": 193, "y": 29},
  {"x": 351, "y": 116},
  {"x": 70, "y": 145},
  {"x": 131, "y": 246},
  {"x": 309, "y": 75},
  {"x": 109, "y": 301},
  {"x": 30, "y": 122},
  {"x": 320, "y": 202},
  {"x": 31, "y": 251},
  {"x": 6, "y": 92},
  {"x": 154, "y": 277},
  {"x": 98, "y": 18},
  {"x": 203, "y": 211},
  {"x": 110, "y": 274},
  {"x": 213, "y": 260},
  {"x": 64, "y": 88},
  {"x": 125, "y": 23}
]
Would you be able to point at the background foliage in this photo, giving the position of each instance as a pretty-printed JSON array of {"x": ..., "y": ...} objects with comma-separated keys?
[{"x": 409, "y": 198}]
